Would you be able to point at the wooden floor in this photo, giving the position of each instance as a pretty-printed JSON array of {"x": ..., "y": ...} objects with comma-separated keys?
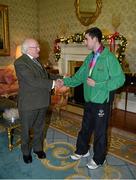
[{"x": 123, "y": 120}]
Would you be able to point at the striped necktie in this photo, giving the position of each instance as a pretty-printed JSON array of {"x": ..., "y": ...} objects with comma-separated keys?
[{"x": 37, "y": 62}]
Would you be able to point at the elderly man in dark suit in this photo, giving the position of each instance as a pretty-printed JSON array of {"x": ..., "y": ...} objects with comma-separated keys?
[{"x": 33, "y": 98}]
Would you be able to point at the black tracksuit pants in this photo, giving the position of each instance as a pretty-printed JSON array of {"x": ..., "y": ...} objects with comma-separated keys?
[{"x": 95, "y": 120}]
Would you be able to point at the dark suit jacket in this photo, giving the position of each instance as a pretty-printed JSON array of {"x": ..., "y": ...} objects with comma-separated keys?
[{"x": 34, "y": 84}]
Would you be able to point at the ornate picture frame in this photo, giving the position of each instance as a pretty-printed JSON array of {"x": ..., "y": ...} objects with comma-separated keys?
[
  {"x": 87, "y": 17},
  {"x": 4, "y": 31}
]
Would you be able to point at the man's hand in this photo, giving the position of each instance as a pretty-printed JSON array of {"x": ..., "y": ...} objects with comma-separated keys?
[
  {"x": 66, "y": 75},
  {"x": 90, "y": 82}
]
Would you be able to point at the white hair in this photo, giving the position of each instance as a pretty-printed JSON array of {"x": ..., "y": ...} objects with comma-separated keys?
[{"x": 25, "y": 45}]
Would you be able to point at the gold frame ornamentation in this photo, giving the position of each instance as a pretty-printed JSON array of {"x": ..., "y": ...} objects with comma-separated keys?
[
  {"x": 87, "y": 18},
  {"x": 4, "y": 31}
]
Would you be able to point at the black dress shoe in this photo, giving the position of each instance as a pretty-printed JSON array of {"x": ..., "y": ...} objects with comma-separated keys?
[
  {"x": 27, "y": 159},
  {"x": 40, "y": 154}
]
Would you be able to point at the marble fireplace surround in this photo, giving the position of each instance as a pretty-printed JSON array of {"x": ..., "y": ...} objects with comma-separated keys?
[
  {"x": 77, "y": 52},
  {"x": 71, "y": 52}
]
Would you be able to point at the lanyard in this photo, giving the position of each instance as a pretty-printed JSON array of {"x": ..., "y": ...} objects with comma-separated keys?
[
  {"x": 93, "y": 62},
  {"x": 94, "y": 59}
]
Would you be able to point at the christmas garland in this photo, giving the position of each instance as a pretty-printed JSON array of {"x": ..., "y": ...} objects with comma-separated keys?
[
  {"x": 76, "y": 38},
  {"x": 79, "y": 38}
]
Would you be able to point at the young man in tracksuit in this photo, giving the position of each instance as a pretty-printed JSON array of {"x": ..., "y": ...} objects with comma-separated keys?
[{"x": 100, "y": 75}]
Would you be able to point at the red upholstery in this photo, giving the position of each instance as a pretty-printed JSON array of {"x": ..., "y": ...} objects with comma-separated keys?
[
  {"x": 59, "y": 100},
  {"x": 60, "y": 96},
  {"x": 8, "y": 81}
]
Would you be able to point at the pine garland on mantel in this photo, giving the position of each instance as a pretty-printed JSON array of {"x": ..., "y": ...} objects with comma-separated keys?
[
  {"x": 109, "y": 40},
  {"x": 76, "y": 38}
]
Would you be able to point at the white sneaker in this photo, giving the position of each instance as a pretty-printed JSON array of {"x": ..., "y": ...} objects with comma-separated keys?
[
  {"x": 77, "y": 156},
  {"x": 93, "y": 165}
]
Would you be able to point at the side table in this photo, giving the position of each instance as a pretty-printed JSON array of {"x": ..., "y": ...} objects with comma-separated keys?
[
  {"x": 129, "y": 89},
  {"x": 10, "y": 128}
]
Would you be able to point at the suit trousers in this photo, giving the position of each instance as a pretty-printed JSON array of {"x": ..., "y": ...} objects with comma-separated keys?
[
  {"x": 32, "y": 121},
  {"x": 95, "y": 120}
]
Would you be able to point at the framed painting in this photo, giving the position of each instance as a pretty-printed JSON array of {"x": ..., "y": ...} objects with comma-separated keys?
[{"x": 4, "y": 31}]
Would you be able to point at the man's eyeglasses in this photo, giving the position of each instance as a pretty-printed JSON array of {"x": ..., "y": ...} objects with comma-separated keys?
[{"x": 36, "y": 47}]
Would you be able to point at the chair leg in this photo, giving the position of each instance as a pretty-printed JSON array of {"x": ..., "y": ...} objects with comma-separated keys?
[
  {"x": 9, "y": 130},
  {"x": 56, "y": 114},
  {"x": 59, "y": 114}
]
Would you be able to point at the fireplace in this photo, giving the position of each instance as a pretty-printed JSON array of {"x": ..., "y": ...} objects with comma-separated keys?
[
  {"x": 71, "y": 52},
  {"x": 77, "y": 92},
  {"x": 72, "y": 57}
]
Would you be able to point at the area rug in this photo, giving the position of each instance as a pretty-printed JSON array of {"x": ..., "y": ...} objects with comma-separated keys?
[
  {"x": 58, "y": 164},
  {"x": 121, "y": 145}
]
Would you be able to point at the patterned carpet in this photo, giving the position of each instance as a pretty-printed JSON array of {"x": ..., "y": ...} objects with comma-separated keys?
[
  {"x": 121, "y": 144},
  {"x": 58, "y": 164}
]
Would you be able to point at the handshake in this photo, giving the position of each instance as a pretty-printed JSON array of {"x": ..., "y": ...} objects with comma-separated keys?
[{"x": 59, "y": 83}]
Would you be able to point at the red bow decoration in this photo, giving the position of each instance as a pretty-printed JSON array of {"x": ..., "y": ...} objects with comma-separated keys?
[
  {"x": 112, "y": 41},
  {"x": 56, "y": 46}
]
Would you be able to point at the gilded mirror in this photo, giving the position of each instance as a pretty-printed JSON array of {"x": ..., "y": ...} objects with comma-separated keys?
[
  {"x": 4, "y": 31},
  {"x": 87, "y": 11}
]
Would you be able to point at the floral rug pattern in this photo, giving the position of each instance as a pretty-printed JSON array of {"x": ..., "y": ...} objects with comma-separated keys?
[{"x": 121, "y": 146}]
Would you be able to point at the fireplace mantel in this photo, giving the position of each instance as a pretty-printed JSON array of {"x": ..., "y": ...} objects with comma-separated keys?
[{"x": 69, "y": 52}]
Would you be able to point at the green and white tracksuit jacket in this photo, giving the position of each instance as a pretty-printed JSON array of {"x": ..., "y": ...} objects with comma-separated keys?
[{"x": 107, "y": 74}]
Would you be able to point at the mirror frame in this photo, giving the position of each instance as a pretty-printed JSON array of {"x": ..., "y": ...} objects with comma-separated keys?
[
  {"x": 5, "y": 50},
  {"x": 87, "y": 18}
]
